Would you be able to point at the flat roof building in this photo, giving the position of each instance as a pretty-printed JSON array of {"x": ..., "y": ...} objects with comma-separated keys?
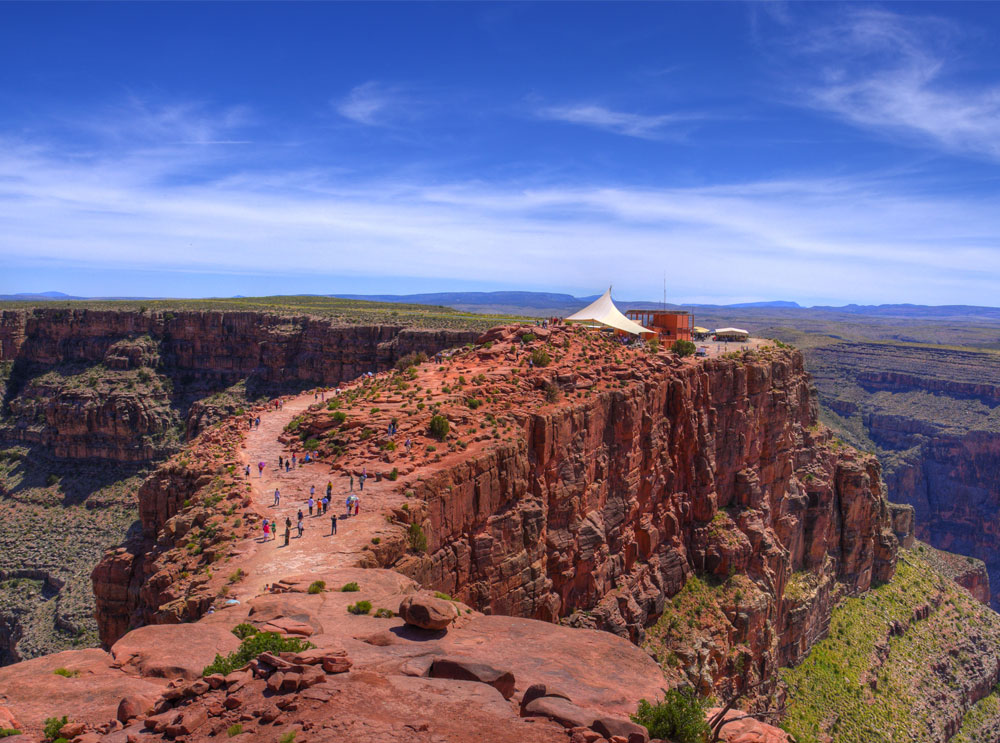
[{"x": 670, "y": 325}]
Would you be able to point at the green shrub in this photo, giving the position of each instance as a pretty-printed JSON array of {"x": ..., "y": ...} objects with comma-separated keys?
[
  {"x": 439, "y": 427},
  {"x": 385, "y": 613},
  {"x": 445, "y": 596},
  {"x": 528, "y": 337},
  {"x": 394, "y": 475},
  {"x": 540, "y": 357},
  {"x": 350, "y": 587},
  {"x": 683, "y": 348},
  {"x": 317, "y": 586},
  {"x": 288, "y": 737},
  {"x": 53, "y": 725},
  {"x": 52, "y": 480},
  {"x": 244, "y": 630},
  {"x": 251, "y": 647},
  {"x": 473, "y": 402},
  {"x": 551, "y": 392},
  {"x": 339, "y": 417},
  {"x": 680, "y": 717},
  {"x": 66, "y": 673},
  {"x": 235, "y": 730},
  {"x": 362, "y": 607},
  {"x": 417, "y": 538},
  {"x": 7, "y": 732},
  {"x": 310, "y": 444},
  {"x": 237, "y": 575},
  {"x": 654, "y": 345}
]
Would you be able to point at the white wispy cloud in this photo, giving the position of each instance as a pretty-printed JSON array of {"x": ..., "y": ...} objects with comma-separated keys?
[
  {"x": 767, "y": 239},
  {"x": 185, "y": 123},
  {"x": 374, "y": 104},
  {"x": 898, "y": 75},
  {"x": 628, "y": 124}
]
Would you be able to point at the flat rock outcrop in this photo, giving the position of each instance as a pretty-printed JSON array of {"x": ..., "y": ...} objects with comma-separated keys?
[{"x": 389, "y": 688}]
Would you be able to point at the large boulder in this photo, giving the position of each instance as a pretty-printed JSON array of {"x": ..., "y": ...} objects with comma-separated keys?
[
  {"x": 748, "y": 730},
  {"x": 172, "y": 650},
  {"x": 560, "y": 710},
  {"x": 427, "y": 611},
  {"x": 464, "y": 669},
  {"x": 617, "y": 726}
]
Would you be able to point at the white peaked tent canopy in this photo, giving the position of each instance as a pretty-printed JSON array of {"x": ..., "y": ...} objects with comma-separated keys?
[{"x": 603, "y": 311}]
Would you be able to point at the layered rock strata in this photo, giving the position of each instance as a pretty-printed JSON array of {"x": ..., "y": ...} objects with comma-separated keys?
[
  {"x": 603, "y": 508},
  {"x": 114, "y": 384},
  {"x": 932, "y": 416}
]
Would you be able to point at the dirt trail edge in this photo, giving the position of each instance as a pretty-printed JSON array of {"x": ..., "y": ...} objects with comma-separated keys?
[{"x": 317, "y": 550}]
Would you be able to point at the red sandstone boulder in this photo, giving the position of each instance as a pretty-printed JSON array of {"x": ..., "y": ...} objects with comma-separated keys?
[
  {"x": 133, "y": 706},
  {"x": 71, "y": 730},
  {"x": 464, "y": 669},
  {"x": 287, "y": 626},
  {"x": 172, "y": 650},
  {"x": 190, "y": 720},
  {"x": 611, "y": 727},
  {"x": 749, "y": 730},
  {"x": 560, "y": 710},
  {"x": 427, "y": 611}
]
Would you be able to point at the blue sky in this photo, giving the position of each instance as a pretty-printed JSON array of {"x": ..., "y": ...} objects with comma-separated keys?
[{"x": 824, "y": 153}]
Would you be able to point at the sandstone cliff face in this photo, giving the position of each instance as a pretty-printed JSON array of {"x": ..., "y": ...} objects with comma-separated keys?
[
  {"x": 121, "y": 385},
  {"x": 603, "y": 508},
  {"x": 954, "y": 486},
  {"x": 932, "y": 416},
  {"x": 157, "y": 576}
]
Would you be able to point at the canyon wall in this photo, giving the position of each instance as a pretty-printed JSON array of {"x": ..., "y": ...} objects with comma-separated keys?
[
  {"x": 91, "y": 401},
  {"x": 123, "y": 386},
  {"x": 602, "y": 509},
  {"x": 933, "y": 417}
]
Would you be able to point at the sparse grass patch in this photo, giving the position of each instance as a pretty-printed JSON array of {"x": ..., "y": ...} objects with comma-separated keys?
[{"x": 361, "y": 607}]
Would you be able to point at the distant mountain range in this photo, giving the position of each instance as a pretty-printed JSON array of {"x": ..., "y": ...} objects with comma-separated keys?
[
  {"x": 541, "y": 304},
  {"x": 526, "y": 302}
]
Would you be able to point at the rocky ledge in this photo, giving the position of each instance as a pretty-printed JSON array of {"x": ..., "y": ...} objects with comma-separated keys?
[{"x": 480, "y": 678}]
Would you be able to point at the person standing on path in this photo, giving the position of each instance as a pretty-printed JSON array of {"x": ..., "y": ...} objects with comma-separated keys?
[
  {"x": 361, "y": 482},
  {"x": 260, "y": 469},
  {"x": 333, "y": 524},
  {"x": 281, "y": 463},
  {"x": 288, "y": 530},
  {"x": 277, "y": 498},
  {"x": 295, "y": 458},
  {"x": 348, "y": 504},
  {"x": 310, "y": 502},
  {"x": 247, "y": 471},
  {"x": 301, "y": 528},
  {"x": 329, "y": 488},
  {"x": 351, "y": 476},
  {"x": 325, "y": 502},
  {"x": 266, "y": 526},
  {"x": 286, "y": 465},
  {"x": 357, "y": 506},
  {"x": 312, "y": 491}
]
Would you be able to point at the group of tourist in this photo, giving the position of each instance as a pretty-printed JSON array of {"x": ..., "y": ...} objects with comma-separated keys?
[{"x": 315, "y": 508}]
